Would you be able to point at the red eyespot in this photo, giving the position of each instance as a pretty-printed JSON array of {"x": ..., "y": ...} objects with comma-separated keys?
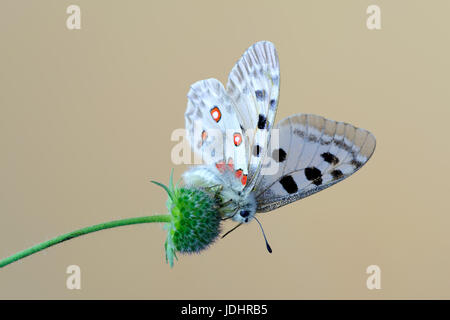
[
  {"x": 237, "y": 139},
  {"x": 239, "y": 173},
  {"x": 221, "y": 166},
  {"x": 216, "y": 114},
  {"x": 244, "y": 179}
]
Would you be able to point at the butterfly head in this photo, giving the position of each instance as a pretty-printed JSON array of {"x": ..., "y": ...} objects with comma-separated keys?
[
  {"x": 246, "y": 209},
  {"x": 238, "y": 203}
]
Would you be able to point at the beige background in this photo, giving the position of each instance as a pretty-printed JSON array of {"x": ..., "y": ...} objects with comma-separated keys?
[{"x": 86, "y": 118}]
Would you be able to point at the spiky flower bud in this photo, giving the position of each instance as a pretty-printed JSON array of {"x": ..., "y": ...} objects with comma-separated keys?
[{"x": 195, "y": 220}]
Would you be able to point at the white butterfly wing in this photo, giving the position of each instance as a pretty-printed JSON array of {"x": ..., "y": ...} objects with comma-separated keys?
[
  {"x": 253, "y": 85},
  {"x": 312, "y": 153},
  {"x": 212, "y": 125}
]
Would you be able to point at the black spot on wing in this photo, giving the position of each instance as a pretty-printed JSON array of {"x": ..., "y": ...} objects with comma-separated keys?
[
  {"x": 337, "y": 174},
  {"x": 299, "y": 133},
  {"x": 273, "y": 103},
  {"x": 262, "y": 121},
  {"x": 330, "y": 158},
  {"x": 279, "y": 155},
  {"x": 356, "y": 163},
  {"x": 260, "y": 95},
  {"x": 342, "y": 145},
  {"x": 312, "y": 138},
  {"x": 256, "y": 150},
  {"x": 313, "y": 174},
  {"x": 289, "y": 184}
]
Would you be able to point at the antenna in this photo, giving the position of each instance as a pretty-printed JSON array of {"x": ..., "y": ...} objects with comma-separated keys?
[
  {"x": 224, "y": 219},
  {"x": 267, "y": 243},
  {"x": 231, "y": 230}
]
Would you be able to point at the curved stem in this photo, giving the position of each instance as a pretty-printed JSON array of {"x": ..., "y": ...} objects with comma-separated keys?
[{"x": 83, "y": 231}]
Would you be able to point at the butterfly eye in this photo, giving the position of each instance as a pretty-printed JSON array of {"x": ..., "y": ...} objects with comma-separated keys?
[{"x": 244, "y": 213}]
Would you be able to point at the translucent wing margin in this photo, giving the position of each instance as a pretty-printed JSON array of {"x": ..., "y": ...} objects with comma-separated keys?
[
  {"x": 253, "y": 85},
  {"x": 312, "y": 153}
]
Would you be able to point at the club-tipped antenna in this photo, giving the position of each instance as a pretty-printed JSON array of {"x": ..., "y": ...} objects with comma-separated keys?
[
  {"x": 267, "y": 243},
  {"x": 231, "y": 230}
]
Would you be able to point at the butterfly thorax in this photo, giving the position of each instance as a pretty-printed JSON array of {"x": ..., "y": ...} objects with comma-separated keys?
[{"x": 235, "y": 201}]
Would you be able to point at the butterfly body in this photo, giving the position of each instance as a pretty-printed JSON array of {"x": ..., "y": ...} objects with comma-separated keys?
[
  {"x": 235, "y": 201},
  {"x": 253, "y": 164}
]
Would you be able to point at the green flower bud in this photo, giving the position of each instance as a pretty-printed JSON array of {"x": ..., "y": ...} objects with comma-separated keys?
[{"x": 195, "y": 220}]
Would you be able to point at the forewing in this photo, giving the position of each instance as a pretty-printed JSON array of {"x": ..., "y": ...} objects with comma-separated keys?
[
  {"x": 213, "y": 127},
  {"x": 253, "y": 85},
  {"x": 312, "y": 153}
]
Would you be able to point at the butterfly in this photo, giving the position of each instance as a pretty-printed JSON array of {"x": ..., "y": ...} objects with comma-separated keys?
[{"x": 255, "y": 165}]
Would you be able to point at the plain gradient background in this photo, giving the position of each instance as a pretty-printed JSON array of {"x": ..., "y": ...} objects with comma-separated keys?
[{"x": 86, "y": 118}]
